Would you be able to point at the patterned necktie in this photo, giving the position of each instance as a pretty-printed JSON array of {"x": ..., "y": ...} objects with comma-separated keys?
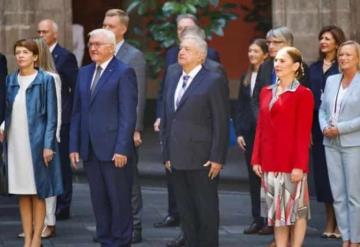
[
  {"x": 185, "y": 79},
  {"x": 96, "y": 79}
]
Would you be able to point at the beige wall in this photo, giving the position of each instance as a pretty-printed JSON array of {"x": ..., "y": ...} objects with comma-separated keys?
[{"x": 19, "y": 18}]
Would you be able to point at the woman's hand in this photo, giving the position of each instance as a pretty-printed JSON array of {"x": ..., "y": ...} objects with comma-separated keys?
[
  {"x": 257, "y": 169},
  {"x": 48, "y": 155},
  {"x": 331, "y": 132},
  {"x": 296, "y": 175},
  {"x": 241, "y": 142}
]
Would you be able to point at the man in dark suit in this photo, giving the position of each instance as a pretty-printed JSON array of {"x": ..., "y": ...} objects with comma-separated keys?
[
  {"x": 3, "y": 68},
  {"x": 185, "y": 21},
  {"x": 67, "y": 68},
  {"x": 194, "y": 134},
  {"x": 102, "y": 127},
  {"x": 117, "y": 20}
]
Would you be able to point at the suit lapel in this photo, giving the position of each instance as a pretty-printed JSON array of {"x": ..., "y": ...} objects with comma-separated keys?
[
  {"x": 122, "y": 52},
  {"x": 350, "y": 90},
  {"x": 172, "y": 88},
  {"x": 55, "y": 53}
]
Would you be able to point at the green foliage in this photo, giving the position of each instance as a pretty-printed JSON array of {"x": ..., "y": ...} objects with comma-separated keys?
[
  {"x": 158, "y": 30},
  {"x": 260, "y": 13}
]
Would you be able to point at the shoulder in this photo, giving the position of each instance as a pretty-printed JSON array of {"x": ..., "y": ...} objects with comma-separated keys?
[
  {"x": 133, "y": 49},
  {"x": 304, "y": 92},
  {"x": 336, "y": 77}
]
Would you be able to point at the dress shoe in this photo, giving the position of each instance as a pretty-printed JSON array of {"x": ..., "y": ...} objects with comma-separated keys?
[
  {"x": 136, "y": 236},
  {"x": 253, "y": 228},
  {"x": 266, "y": 230},
  {"x": 179, "y": 241},
  {"x": 48, "y": 232},
  {"x": 63, "y": 214},
  {"x": 167, "y": 222}
]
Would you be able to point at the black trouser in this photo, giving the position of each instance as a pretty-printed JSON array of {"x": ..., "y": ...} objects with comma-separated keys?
[
  {"x": 197, "y": 200},
  {"x": 172, "y": 208}
]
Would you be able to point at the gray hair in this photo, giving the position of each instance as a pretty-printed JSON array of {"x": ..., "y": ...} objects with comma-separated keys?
[
  {"x": 109, "y": 35},
  {"x": 186, "y": 16},
  {"x": 54, "y": 25},
  {"x": 194, "y": 30},
  {"x": 282, "y": 33},
  {"x": 200, "y": 43}
]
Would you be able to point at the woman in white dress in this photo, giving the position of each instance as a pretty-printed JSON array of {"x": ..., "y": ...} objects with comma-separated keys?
[{"x": 30, "y": 139}]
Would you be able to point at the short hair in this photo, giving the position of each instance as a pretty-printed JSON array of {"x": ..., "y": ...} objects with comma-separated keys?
[
  {"x": 28, "y": 44},
  {"x": 45, "y": 60},
  {"x": 336, "y": 32},
  {"x": 54, "y": 25},
  {"x": 282, "y": 33},
  {"x": 110, "y": 36},
  {"x": 123, "y": 15},
  {"x": 200, "y": 43},
  {"x": 261, "y": 43},
  {"x": 357, "y": 49},
  {"x": 296, "y": 57},
  {"x": 186, "y": 16},
  {"x": 194, "y": 30}
]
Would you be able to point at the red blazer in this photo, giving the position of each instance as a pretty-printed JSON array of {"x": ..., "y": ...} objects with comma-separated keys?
[{"x": 282, "y": 138}]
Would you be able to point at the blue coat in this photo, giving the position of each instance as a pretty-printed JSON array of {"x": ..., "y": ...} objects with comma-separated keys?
[
  {"x": 41, "y": 110},
  {"x": 107, "y": 118}
]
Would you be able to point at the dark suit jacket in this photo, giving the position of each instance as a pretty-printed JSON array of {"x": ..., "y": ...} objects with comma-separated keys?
[
  {"x": 135, "y": 58},
  {"x": 107, "y": 118},
  {"x": 198, "y": 130},
  {"x": 3, "y": 74},
  {"x": 67, "y": 68}
]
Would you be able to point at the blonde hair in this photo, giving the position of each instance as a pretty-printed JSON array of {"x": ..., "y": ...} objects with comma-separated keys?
[
  {"x": 45, "y": 60},
  {"x": 123, "y": 16},
  {"x": 357, "y": 49}
]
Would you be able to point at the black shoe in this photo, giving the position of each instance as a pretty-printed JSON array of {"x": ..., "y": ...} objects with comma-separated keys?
[
  {"x": 253, "y": 228},
  {"x": 179, "y": 241},
  {"x": 63, "y": 214},
  {"x": 95, "y": 239},
  {"x": 167, "y": 222},
  {"x": 266, "y": 230},
  {"x": 136, "y": 236}
]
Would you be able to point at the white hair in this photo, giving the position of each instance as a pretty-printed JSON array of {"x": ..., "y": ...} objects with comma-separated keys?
[
  {"x": 200, "y": 42},
  {"x": 54, "y": 25},
  {"x": 109, "y": 35}
]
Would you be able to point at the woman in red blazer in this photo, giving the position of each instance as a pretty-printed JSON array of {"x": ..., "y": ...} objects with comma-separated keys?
[{"x": 281, "y": 149}]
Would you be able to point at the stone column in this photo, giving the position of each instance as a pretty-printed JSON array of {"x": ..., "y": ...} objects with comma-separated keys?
[
  {"x": 306, "y": 18},
  {"x": 19, "y": 18}
]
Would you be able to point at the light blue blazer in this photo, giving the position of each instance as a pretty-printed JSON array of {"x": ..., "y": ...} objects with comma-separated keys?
[{"x": 349, "y": 116}]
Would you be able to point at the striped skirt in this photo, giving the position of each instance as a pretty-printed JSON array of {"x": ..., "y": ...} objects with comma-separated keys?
[{"x": 282, "y": 201}]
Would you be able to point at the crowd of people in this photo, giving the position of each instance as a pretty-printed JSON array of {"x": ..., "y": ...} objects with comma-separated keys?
[{"x": 56, "y": 114}]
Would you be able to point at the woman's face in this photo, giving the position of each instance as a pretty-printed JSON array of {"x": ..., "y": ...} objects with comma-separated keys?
[
  {"x": 347, "y": 58},
  {"x": 327, "y": 43},
  {"x": 256, "y": 55},
  {"x": 284, "y": 65},
  {"x": 24, "y": 57}
]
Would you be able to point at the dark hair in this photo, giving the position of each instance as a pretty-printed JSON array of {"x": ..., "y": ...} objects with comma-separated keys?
[
  {"x": 336, "y": 32},
  {"x": 264, "y": 48},
  {"x": 29, "y": 44},
  {"x": 296, "y": 57}
]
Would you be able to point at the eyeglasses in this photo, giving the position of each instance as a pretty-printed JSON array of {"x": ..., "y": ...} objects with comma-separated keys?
[
  {"x": 274, "y": 42},
  {"x": 96, "y": 44},
  {"x": 43, "y": 31}
]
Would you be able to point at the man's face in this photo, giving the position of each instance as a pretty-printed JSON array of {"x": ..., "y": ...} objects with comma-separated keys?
[
  {"x": 274, "y": 45},
  {"x": 183, "y": 24},
  {"x": 113, "y": 24},
  {"x": 100, "y": 49},
  {"x": 47, "y": 32},
  {"x": 189, "y": 55}
]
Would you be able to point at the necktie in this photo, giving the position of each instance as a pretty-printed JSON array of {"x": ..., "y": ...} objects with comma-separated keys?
[
  {"x": 96, "y": 79},
  {"x": 185, "y": 79}
]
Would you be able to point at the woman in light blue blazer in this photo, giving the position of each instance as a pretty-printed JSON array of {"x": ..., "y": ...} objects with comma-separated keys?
[{"x": 339, "y": 118}]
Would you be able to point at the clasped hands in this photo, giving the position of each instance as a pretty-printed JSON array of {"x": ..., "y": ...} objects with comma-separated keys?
[
  {"x": 118, "y": 159},
  {"x": 331, "y": 131},
  {"x": 214, "y": 168},
  {"x": 296, "y": 173}
]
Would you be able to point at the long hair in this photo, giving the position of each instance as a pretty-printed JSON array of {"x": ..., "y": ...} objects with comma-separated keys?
[
  {"x": 338, "y": 35},
  {"x": 45, "y": 61}
]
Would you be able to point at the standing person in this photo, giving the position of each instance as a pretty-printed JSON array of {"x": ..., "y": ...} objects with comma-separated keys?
[
  {"x": 3, "y": 68},
  {"x": 183, "y": 21},
  {"x": 34, "y": 171},
  {"x": 194, "y": 133},
  {"x": 339, "y": 117},
  {"x": 245, "y": 119},
  {"x": 117, "y": 21},
  {"x": 330, "y": 37},
  {"x": 281, "y": 148},
  {"x": 102, "y": 128},
  {"x": 66, "y": 67}
]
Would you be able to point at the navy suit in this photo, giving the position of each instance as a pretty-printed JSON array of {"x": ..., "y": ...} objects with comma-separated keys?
[
  {"x": 3, "y": 74},
  {"x": 103, "y": 124},
  {"x": 194, "y": 133},
  {"x": 67, "y": 69}
]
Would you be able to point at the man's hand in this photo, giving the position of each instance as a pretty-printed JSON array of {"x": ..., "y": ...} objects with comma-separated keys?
[
  {"x": 157, "y": 125},
  {"x": 257, "y": 169},
  {"x": 241, "y": 142},
  {"x": 119, "y": 160},
  {"x": 48, "y": 155},
  {"x": 168, "y": 165},
  {"x": 214, "y": 169},
  {"x": 74, "y": 158},
  {"x": 2, "y": 135},
  {"x": 296, "y": 175},
  {"x": 137, "y": 138}
]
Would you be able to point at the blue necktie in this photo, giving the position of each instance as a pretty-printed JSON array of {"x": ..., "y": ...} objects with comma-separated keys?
[
  {"x": 273, "y": 77},
  {"x": 185, "y": 79},
  {"x": 96, "y": 79}
]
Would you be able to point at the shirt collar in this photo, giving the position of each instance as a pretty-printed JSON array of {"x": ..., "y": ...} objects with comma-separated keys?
[
  {"x": 104, "y": 64},
  {"x": 118, "y": 46},
  {"x": 193, "y": 72},
  {"x": 52, "y": 47},
  {"x": 292, "y": 87}
]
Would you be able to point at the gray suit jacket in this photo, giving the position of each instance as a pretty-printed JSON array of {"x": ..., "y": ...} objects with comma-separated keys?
[
  {"x": 349, "y": 115},
  {"x": 135, "y": 59}
]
